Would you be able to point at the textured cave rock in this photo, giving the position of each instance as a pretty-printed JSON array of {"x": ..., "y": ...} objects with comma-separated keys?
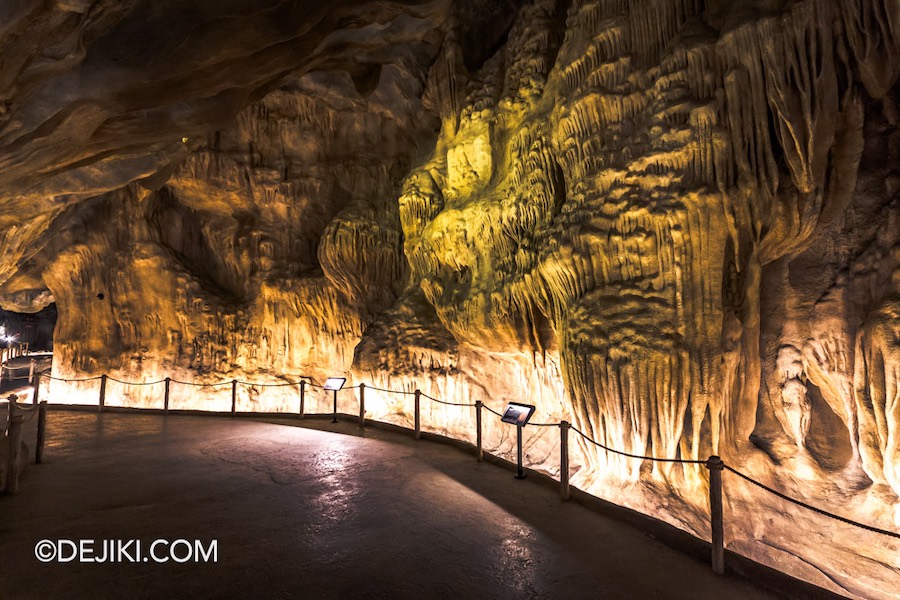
[{"x": 673, "y": 222}]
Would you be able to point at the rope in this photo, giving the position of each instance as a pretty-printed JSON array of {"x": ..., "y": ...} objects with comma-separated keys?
[
  {"x": 653, "y": 458},
  {"x": 285, "y": 384},
  {"x": 22, "y": 407},
  {"x": 195, "y": 384},
  {"x": 73, "y": 380},
  {"x": 377, "y": 389},
  {"x": 447, "y": 403},
  {"x": 543, "y": 424},
  {"x": 135, "y": 382},
  {"x": 492, "y": 410},
  {"x": 30, "y": 410},
  {"x": 811, "y": 507}
]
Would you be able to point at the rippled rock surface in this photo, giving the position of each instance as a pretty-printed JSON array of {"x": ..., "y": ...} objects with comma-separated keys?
[{"x": 673, "y": 222}]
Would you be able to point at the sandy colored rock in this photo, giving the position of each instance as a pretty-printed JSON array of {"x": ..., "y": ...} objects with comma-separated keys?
[{"x": 673, "y": 223}]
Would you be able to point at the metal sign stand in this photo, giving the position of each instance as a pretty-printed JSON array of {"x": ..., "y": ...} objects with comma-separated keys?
[
  {"x": 518, "y": 415},
  {"x": 520, "y": 470},
  {"x": 334, "y": 384}
]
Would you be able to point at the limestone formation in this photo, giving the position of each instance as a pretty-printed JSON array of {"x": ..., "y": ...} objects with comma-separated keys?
[{"x": 674, "y": 223}]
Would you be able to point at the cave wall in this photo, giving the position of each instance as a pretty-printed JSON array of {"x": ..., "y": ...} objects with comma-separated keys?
[
  {"x": 703, "y": 207},
  {"x": 672, "y": 222}
]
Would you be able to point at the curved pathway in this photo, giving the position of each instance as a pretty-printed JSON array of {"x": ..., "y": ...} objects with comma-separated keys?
[{"x": 301, "y": 513}]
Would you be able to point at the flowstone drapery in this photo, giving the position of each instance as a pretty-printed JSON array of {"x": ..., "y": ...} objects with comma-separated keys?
[{"x": 673, "y": 222}]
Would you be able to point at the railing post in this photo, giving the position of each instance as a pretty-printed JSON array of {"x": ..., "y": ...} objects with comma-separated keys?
[
  {"x": 564, "y": 460},
  {"x": 41, "y": 433},
  {"x": 478, "y": 452},
  {"x": 31, "y": 370},
  {"x": 715, "y": 466},
  {"x": 233, "y": 397},
  {"x": 36, "y": 387},
  {"x": 302, "y": 398},
  {"x": 166, "y": 399},
  {"x": 362, "y": 405},
  {"x": 418, "y": 417},
  {"x": 14, "y": 435},
  {"x": 102, "y": 404}
]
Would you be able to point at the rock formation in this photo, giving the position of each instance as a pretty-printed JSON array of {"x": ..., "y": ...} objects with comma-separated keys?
[{"x": 673, "y": 222}]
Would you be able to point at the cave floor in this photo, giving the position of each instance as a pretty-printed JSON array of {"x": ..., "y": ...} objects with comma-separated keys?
[{"x": 304, "y": 513}]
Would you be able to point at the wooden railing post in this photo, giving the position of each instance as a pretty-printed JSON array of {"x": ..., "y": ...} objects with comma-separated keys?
[
  {"x": 715, "y": 466},
  {"x": 564, "y": 491},
  {"x": 418, "y": 417},
  {"x": 102, "y": 404},
  {"x": 166, "y": 399},
  {"x": 14, "y": 435},
  {"x": 36, "y": 387},
  {"x": 34, "y": 399},
  {"x": 362, "y": 405},
  {"x": 233, "y": 397},
  {"x": 479, "y": 452},
  {"x": 302, "y": 398},
  {"x": 41, "y": 433}
]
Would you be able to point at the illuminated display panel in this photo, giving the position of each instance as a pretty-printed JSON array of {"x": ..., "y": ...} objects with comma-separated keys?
[
  {"x": 334, "y": 383},
  {"x": 517, "y": 414}
]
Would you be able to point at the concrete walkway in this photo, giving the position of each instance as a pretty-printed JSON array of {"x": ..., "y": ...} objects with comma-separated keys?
[{"x": 301, "y": 513}]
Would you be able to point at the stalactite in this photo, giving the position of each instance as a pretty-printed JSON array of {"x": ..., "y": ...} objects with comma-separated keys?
[{"x": 672, "y": 222}]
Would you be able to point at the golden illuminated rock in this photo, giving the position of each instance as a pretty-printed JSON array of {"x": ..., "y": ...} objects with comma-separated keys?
[{"x": 674, "y": 223}]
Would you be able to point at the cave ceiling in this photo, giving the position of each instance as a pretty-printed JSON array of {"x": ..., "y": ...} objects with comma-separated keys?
[{"x": 674, "y": 223}]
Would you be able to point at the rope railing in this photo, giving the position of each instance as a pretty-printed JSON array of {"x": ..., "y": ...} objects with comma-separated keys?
[
  {"x": 15, "y": 420},
  {"x": 445, "y": 403},
  {"x": 29, "y": 410},
  {"x": 714, "y": 464},
  {"x": 378, "y": 389},
  {"x": 810, "y": 506},
  {"x": 491, "y": 409},
  {"x": 139, "y": 383},
  {"x": 638, "y": 456},
  {"x": 68, "y": 380},
  {"x": 11, "y": 372},
  {"x": 195, "y": 384},
  {"x": 265, "y": 385}
]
